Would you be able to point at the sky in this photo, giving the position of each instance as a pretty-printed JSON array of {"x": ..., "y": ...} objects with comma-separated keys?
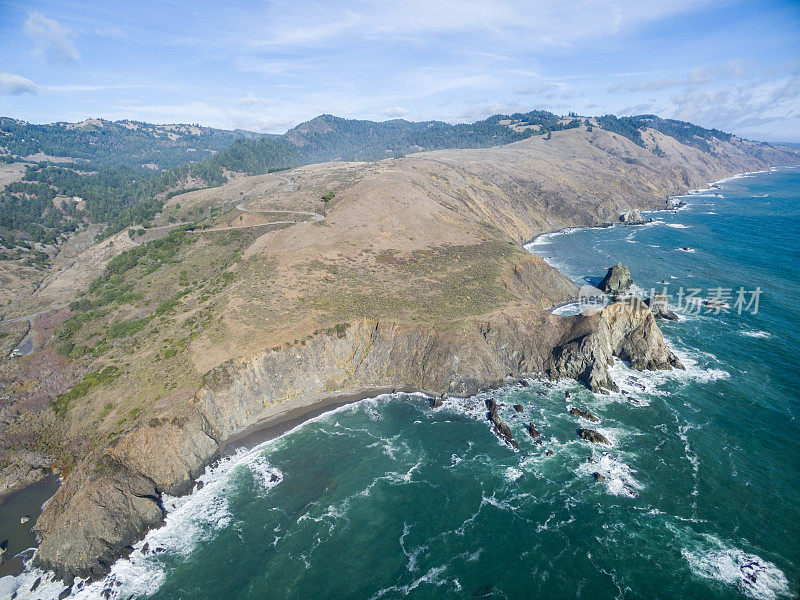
[{"x": 267, "y": 66}]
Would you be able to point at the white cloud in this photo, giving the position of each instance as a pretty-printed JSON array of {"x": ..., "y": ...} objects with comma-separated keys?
[
  {"x": 548, "y": 91},
  {"x": 52, "y": 42},
  {"x": 253, "y": 100},
  {"x": 16, "y": 84},
  {"x": 394, "y": 112},
  {"x": 739, "y": 106},
  {"x": 644, "y": 86},
  {"x": 546, "y": 23}
]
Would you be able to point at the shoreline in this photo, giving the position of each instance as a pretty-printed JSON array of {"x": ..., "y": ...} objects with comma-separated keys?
[
  {"x": 689, "y": 193},
  {"x": 273, "y": 427}
]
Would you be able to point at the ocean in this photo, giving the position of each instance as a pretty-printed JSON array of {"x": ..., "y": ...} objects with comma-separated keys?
[{"x": 696, "y": 496}]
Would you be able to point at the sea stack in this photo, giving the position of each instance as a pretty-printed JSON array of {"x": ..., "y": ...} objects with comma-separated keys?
[
  {"x": 618, "y": 279},
  {"x": 633, "y": 217}
]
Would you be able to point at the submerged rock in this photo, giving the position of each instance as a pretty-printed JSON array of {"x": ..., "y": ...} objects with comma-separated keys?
[
  {"x": 590, "y": 435},
  {"x": 518, "y": 407},
  {"x": 659, "y": 306},
  {"x": 577, "y": 412},
  {"x": 618, "y": 279}
]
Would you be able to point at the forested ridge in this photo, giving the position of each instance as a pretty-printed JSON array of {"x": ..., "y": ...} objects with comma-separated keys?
[{"x": 119, "y": 174}]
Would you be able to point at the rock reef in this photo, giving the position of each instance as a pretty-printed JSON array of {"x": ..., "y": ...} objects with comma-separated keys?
[{"x": 659, "y": 306}]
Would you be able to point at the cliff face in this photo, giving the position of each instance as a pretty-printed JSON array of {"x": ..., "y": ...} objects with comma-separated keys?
[{"x": 119, "y": 499}]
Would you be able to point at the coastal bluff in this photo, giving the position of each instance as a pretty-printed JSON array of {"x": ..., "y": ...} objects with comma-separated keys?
[{"x": 118, "y": 496}]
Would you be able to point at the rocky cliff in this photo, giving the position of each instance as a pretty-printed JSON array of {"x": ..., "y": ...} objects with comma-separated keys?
[{"x": 120, "y": 497}]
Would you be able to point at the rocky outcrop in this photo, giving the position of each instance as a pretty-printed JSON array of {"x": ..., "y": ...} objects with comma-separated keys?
[
  {"x": 659, "y": 306},
  {"x": 633, "y": 217},
  {"x": 577, "y": 412},
  {"x": 102, "y": 510},
  {"x": 183, "y": 451},
  {"x": 501, "y": 428},
  {"x": 618, "y": 279},
  {"x": 626, "y": 330},
  {"x": 590, "y": 435}
]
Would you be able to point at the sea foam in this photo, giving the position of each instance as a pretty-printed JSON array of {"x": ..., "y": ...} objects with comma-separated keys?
[{"x": 753, "y": 576}]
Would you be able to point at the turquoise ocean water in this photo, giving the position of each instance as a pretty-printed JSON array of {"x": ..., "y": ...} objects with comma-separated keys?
[{"x": 389, "y": 498}]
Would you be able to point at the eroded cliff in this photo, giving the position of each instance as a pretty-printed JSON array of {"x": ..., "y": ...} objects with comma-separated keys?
[{"x": 118, "y": 499}]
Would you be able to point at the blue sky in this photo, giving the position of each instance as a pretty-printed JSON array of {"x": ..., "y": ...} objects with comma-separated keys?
[{"x": 266, "y": 66}]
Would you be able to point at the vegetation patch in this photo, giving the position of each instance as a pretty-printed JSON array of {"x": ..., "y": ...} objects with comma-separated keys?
[{"x": 79, "y": 390}]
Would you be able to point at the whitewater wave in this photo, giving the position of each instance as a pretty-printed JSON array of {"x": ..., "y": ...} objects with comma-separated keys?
[
  {"x": 617, "y": 476},
  {"x": 190, "y": 519},
  {"x": 755, "y": 334},
  {"x": 753, "y": 576}
]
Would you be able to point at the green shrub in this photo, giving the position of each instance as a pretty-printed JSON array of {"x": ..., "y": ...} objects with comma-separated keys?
[{"x": 79, "y": 390}]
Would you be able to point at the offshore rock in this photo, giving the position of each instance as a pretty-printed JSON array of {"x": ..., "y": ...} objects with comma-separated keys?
[
  {"x": 503, "y": 431},
  {"x": 491, "y": 406},
  {"x": 590, "y": 435},
  {"x": 577, "y": 412},
  {"x": 659, "y": 306},
  {"x": 618, "y": 279},
  {"x": 633, "y": 217}
]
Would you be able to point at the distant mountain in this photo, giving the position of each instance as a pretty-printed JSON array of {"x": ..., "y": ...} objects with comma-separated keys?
[
  {"x": 101, "y": 143},
  {"x": 328, "y": 138}
]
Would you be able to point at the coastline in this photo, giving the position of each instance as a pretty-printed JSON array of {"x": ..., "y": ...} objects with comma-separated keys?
[
  {"x": 300, "y": 412},
  {"x": 274, "y": 426},
  {"x": 277, "y": 423}
]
